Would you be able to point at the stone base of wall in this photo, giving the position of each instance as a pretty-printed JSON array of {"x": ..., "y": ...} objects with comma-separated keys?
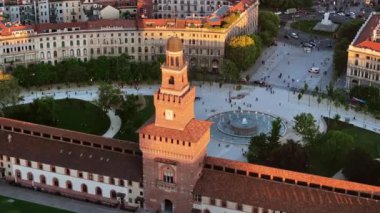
[{"x": 70, "y": 193}]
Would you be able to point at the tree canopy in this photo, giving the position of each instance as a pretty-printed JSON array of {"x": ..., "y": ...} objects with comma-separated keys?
[
  {"x": 9, "y": 93},
  {"x": 243, "y": 51},
  {"x": 345, "y": 35},
  {"x": 103, "y": 68},
  {"x": 291, "y": 156},
  {"x": 360, "y": 167},
  {"x": 269, "y": 26},
  {"x": 110, "y": 97},
  {"x": 305, "y": 124}
]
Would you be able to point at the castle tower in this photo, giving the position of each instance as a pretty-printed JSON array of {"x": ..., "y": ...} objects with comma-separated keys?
[{"x": 175, "y": 143}]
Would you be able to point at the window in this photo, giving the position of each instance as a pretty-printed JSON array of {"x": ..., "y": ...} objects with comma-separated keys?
[
  {"x": 168, "y": 176},
  {"x": 42, "y": 179},
  {"x": 98, "y": 191},
  {"x": 69, "y": 185},
  {"x": 30, "y": 176},
  {"x": 113, "y": 194},
  {"x": 224, "y": 203},
  {"x": 121, "y": 182},
  {"x": 55, "y": 182},
  {"x": 83, "y": 188},
  {"x": 67, "y": 171},
  {"x": 171, "y": 80},
  {"x": 52, "y": 168}
]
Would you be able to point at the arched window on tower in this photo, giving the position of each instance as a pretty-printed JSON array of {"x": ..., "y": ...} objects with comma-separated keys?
[
  {"x": 171, "y": 61},
  {"x": 168, "y": 176},
  {"x": 177, "y": 61},
  {"x": 171, "y": 80}
]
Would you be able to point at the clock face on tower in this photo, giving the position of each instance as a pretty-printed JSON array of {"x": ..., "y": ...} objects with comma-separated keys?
[{"x": 169, "y": 114}]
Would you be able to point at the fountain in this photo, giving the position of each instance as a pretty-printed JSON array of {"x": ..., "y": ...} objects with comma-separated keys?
[{"x": 244, "y": 124}]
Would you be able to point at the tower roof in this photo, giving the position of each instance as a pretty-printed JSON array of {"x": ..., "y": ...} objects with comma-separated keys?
[{"x": 174, "y": 44}]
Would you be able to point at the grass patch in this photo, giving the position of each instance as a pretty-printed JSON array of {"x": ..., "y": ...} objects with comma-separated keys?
[
  {"x": 307, "y": 27},
  {"x": 128, "y": 128},
  {"x": 367, "y": 140},
  {"x": 72, "y": 114},
  {"x": 10, "y": 205}
]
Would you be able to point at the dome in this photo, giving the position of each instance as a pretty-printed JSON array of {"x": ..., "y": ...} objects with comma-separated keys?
[{"x": 174, "y": 44}]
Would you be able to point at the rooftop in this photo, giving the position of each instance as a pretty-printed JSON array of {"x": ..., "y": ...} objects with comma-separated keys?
[
  {"x": 20, "y": 139},
  {"x": 365, "y": 37},
  {"x": 246, "y": 189}
]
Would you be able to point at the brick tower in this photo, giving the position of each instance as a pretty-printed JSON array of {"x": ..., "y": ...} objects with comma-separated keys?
[{"x": 174, "y": 144}]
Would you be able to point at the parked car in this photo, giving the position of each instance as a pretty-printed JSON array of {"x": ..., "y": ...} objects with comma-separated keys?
[
  {"x": 294, "y": 35},
  {"x": 315, "y": 70},
  {"x": 307, "y": 45},
  {"x": 286, "y": 36},
  {"x": 278, "y": 13},
  {"x": 259, "y": 83},
  {"x": 307, "y": 49}
]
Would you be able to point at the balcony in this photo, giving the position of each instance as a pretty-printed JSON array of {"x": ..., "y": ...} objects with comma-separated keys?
[{"x": 169, "y": 187}]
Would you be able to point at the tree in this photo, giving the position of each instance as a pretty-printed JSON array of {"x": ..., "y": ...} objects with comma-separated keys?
[
  {"x": 109, "y": 97},
  {"x": 275, "y": 132},
  {"x": 306, "y": 126},
  {"x": 9, "y": 93},
  {"x": 258, "y": 149},
  {"x": 230, "y": 71},
  {"x": 360, "y": 167},
  {"x": 335, "y": 147},
  {"x": 243, "y": 51},
  {"x": 269, "y": 26},
  {"x": 345, "y": 35},
  {"x": 291, "y": 156},
  {"x": 43, "y": 111}
]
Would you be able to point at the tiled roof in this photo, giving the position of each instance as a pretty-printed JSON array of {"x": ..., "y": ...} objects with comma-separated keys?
[
  {"x": 40, "y": 28},
  {"x": 291, "y": 175},
  {"x": 278, "y": 196},
  {"x": 69, "y": 155},
  {"x": 193, "y": 131},
  {"x": 363, "y": 39}
]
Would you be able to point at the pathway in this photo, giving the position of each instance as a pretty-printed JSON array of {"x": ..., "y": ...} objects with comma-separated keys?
[{"x": 52, "y": 200}]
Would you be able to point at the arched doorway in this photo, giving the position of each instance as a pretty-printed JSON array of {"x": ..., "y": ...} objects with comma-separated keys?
[
  {"x": 215, "y": 66},
  {"x": 168, "y": 206}
]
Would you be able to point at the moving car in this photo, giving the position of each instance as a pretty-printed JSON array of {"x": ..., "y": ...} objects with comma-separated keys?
[
  {"x": 307, "y": 49},
  {"x": 315, "y": 70},
  {"x": 307, "y": 45}
]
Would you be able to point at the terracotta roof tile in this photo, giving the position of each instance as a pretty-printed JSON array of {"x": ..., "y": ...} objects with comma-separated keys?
[
  {"x": 69, "y": 155},
  {"x": 277, "y": 195},
  {"x": 193, "y": 131}
]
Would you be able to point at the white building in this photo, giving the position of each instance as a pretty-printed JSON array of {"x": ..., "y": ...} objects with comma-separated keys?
[{"x": 109, "y": 12}]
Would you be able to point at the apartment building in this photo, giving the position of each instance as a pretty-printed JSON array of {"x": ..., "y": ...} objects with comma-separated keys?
[
  {"x": 143, "y": 40},
  {"x": 363, "y": 63}
]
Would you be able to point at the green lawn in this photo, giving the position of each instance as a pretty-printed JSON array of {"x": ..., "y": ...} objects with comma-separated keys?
[
  {"x": 307, "y": 27},
  {"x": 128, "y": 129},
  {"x": 10, "y": 205},
  {"x": 72, "y": 114},
  {"x": 367, "y": 140}
]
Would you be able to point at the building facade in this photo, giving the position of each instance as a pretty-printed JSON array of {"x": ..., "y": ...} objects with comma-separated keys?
[
  {"x": 363, "y": 62},
  {"x": 168, "y": 171},
  {"x": 142, "y": 40},
  {"x": 185, "y": 8}
]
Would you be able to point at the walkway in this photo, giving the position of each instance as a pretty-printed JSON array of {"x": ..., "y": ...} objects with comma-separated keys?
[{"x": 53, "y": 200}]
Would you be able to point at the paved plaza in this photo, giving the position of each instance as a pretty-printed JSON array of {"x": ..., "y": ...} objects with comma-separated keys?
[
  {"x": 287, "y": 66},
  {"x": 279, "y": 103}
]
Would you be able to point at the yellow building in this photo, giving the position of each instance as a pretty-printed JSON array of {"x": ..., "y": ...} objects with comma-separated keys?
[{"x": 363, "y": 63}]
